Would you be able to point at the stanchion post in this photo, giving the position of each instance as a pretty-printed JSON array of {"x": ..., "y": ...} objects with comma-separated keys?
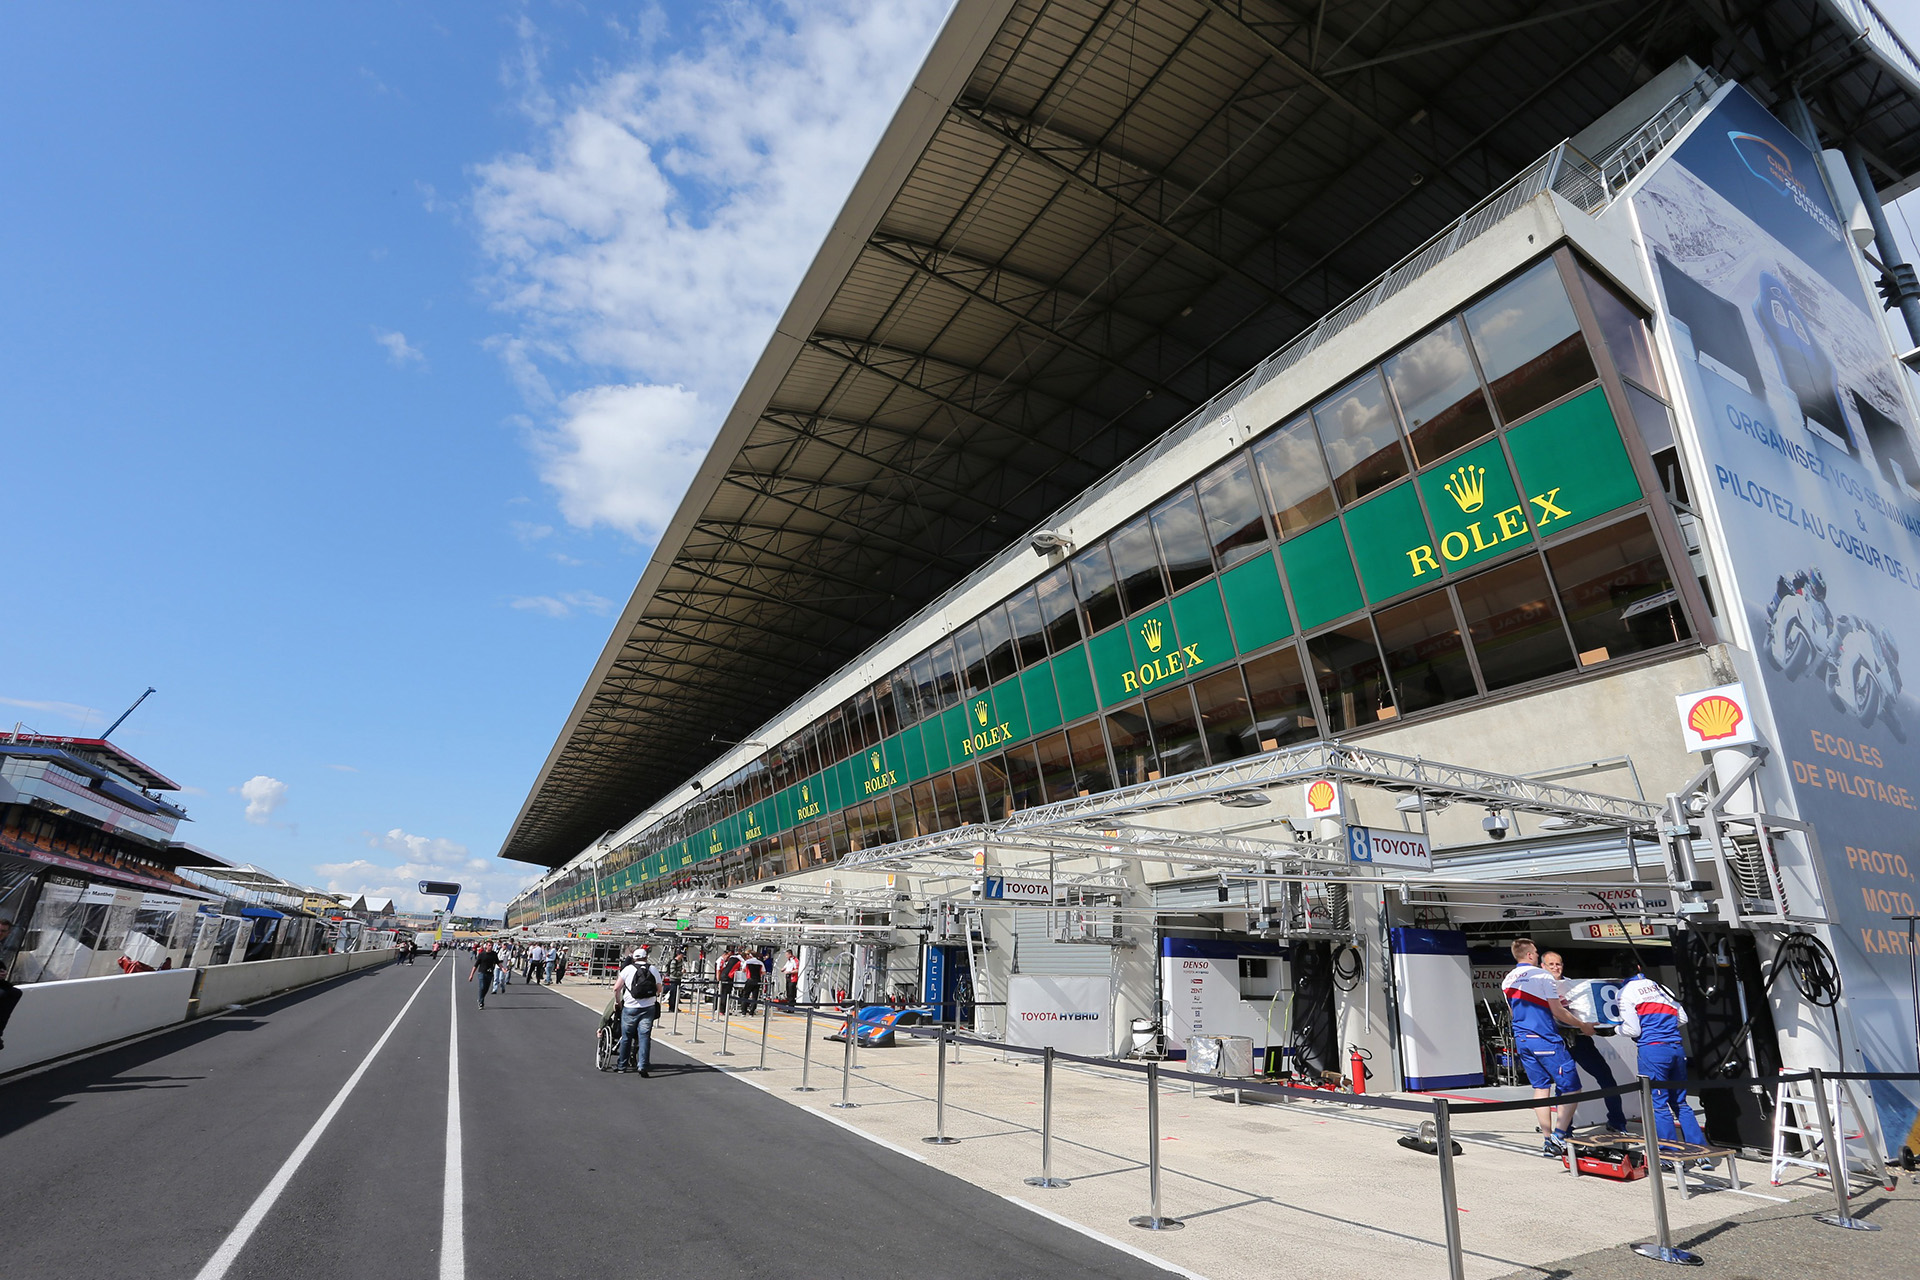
[
  {"x": 1152, "y": 1219},
  {"x": 806, "y": 1059},
  {"x": 940, "y": 1138},
  {"x": 846, "y": 1069},
  {"x": 1449, "y": 1198},
  {"x": 1046, "y": 1178},
  {"x": 1836, "y": 1162},
  {"x": 679, "y": 998},
  {"x": 766, "y": 1020},
  {"x": 1661, "y": 1250},
  {"x": 726, "y": 1026},
  {"x": 696, "y": 1016}
]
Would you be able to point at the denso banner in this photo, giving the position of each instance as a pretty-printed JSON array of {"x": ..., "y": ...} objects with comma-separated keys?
[
  {"x": 1804, "y": 455},
  {"x": 1071, "y": 1014}
]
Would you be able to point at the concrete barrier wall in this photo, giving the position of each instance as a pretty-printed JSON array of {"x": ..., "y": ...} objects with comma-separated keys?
[
  {"x": 54, "y": 1019},
  {"x": 229, "y": 984}
]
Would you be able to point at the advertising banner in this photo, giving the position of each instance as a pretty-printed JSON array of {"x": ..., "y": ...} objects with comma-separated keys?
[
  {"x": 1071, "y": 1014},
  {"x": 1802, "y": 436}
]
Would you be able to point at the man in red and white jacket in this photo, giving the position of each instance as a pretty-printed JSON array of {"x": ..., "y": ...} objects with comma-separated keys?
[{"x": 1651, "y": 1016}]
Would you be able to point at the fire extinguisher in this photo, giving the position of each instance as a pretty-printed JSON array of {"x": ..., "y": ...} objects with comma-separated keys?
[{"x": 1357, "y": 1062}]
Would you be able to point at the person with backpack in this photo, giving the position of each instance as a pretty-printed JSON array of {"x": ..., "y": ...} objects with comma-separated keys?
[
  {"x": 485, "y": 964},
  {"x": 638, "y": 991}
]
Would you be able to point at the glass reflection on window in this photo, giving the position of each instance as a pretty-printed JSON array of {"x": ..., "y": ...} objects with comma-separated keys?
[
  {"x": 1353, "y": 681},
  {"x": 1529, "y": 343},
  {"x": 1439, "y": 394},
  {"x": 1295, "y": 473},
  {"x": 1183, "y": 541},
  {"x": 1057, "y": 610},
  {"x": 1093, "y": 584},
  {"x": 1426, "y": 655},
  {"x": 1617, "y": 593},
  {"x": 1226, "y": 720},
  {"x": 1515, "y": 628},
  {"x": 1132, "y": 745},
  {"x": 1624, "y": 331},
  {"x": 1176, "y": 733},
  {"x": 996, "y": 637},
  {"x": 1136, "y": 563},
  {"x": 1029, "y": 628},
  {"x": 1230, "y": 500},
  {"x": 1361, "y": 438}
]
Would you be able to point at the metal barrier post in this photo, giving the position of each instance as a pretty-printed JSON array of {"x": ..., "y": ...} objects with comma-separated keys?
[
  {"x": 696, "y": 1018},
  {"x": 846, "y": 1069},
  {"x": 940, "y": 1138},
  {"x": 1661, "y": 1250},
  {"x": 1449, "y": 1200},
  {"x": 1046, "y": 1178},
  {"x": 766, "y": 1016},
  {"x": 1836, "y": 1163},
  {"x": 726, "y": 1026},
  {"x": 806, "y": 1059},
  {"x": 1151, "y": 1220},
  {"x": 679, "y": 997}
]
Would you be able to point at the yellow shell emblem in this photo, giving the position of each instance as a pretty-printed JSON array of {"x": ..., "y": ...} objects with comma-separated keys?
[
  {"x": 1714, "y": 717},
  {"x": 1468, "y": 488},
  {"x": 1320, "y": 796}
]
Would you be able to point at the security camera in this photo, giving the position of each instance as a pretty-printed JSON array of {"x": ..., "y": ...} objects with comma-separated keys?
[
  {"x": 1046, "y": 542},
  {"x": 1496, "y": 824}
]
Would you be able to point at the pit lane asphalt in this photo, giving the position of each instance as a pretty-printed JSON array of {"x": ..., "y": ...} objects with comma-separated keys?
[{"x": 139, "y": 1161}]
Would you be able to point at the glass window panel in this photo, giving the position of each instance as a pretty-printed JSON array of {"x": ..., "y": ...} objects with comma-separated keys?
[
  {"x": 1295, "y": 473},
  {"x": 836, "y": 740},
  {"x": 1094, "y": 587},
  {"x": 1176, "y": 734},
  {"x": 906, "y": 703},
  {"x": 1029, "y": 627},
  {"x": 959, "y": 794},
  {"x": 996, "y": 637},
  {"x": 1617, "y": 593},
  {"x": 972, "y": 653},
  {"x": 946, "y": 675},
  {"x": 1057, "y": 611},
  {"x": 1515, "y": 628},
  {"x": 1624, "y": 331},
  {"x": 1132, "y": 744},
  {"x": 1439, "y": 394},
  {"x": 1226, "y": 719},
  {"x": 869, "y": 734},
  {"x": 1361, "y": 438},
  {"x": 1091, "y": 772},
  {"x": 926, "y": 809},
  {"x": 1230, "y": 500},
  {"x": 906, "y": 819},
  {"x": 1352, "y": 680},
  {"x": 993, "y": 786},
  {"x": 1136, "y": 562},
  {"x": 1023, "y": 778},
  {"x": 1184, "y": 545},
  {"x": 1529, "y": 343},
  {"x": 1056, "y": 767},
  {"x": 884, "y": 829},
  {"x": 1653, "y": 418},
  {"x": 885, "y": 708},
  {"x": 926, "y": 689},
  {"x": 1426, "y": 656}
]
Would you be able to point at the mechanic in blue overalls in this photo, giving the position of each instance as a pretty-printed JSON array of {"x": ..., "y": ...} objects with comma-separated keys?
[
  {"x": 1533, "y": 998},
  {"x": 1651, "y": 1016}
]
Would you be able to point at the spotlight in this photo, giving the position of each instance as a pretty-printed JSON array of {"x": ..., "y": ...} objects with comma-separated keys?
[
  {"x": 1244, "y": 799},
  {"x": 1046, "y": 542},
  {"x": 1496, "y": 824},
  {"x": 1411, "y": 804}
]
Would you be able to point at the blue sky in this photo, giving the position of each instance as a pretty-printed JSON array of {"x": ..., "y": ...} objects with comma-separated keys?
[
  {"x": 353, "y": 356},
  {"x": 355, "y": 353}
]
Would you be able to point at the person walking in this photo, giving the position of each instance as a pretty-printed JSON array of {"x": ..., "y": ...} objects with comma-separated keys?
[
  {"x": 676, "y": 974},
  {"x": 556, "y": 964},
  {"x": 723, "y": 972},
  {"x": 790, "y": 970},
  {"x": 536, "y": 963},
  {"x": 1651, "y": 1016},
  {"x": 1533, "y": 999},
  {"x": 502, "y": 968},
  {"x": 746, "y": 981},
  {"x": 638, "y": 990},
  {"x": 486, "y": 965},
  {"x": 1585, "y": 1050}
]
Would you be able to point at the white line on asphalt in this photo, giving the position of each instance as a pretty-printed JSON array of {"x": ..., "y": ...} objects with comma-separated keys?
[
  {"x": 236, "y": 1240},
  {"x": 453, "y": 1200}
]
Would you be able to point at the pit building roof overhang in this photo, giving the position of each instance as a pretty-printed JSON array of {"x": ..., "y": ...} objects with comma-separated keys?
[{"x": 1085, "y": 219}]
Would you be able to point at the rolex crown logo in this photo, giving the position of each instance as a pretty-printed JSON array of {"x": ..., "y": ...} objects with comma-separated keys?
[
  {"x": 804, "y": 795},
  {"x": 1150, "y": 632},
  {"x": 873, "y": 759},
  {"x": 1468, "y": 487},
  {"x": 980, "y": 712}
]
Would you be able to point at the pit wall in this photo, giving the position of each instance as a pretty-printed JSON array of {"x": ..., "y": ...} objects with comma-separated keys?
[{"x": 55, "y": 1019}]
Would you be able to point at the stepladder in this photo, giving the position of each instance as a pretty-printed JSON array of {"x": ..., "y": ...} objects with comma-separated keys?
[{"x": 1796, "y": 1123}]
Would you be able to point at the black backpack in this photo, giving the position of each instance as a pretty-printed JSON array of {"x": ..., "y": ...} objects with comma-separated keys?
[{"x": 642, "y": 986}]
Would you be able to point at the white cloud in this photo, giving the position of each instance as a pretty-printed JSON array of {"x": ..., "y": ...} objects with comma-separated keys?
[
  {"x": 565, "y": 604},
  {"x": 400, "y": 352},
  {"x": 662, "y": 220},
  {"x": 343, "y": 768},
  {"x": 263, "y": 795},
  {"x": 487, "y": 884},
  {"x": 65, "y": 710}
]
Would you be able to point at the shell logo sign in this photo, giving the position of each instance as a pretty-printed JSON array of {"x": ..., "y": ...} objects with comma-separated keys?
[
  {"x": 1323, "y": 798},
  {"x": 1715, "y": 718}
]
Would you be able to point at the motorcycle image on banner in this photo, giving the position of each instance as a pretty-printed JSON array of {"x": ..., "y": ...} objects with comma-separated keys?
[{"x": 1802, "y": 456}]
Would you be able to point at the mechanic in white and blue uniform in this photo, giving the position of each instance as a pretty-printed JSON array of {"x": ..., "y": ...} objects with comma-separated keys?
[{"x": 1533, "y": 998}]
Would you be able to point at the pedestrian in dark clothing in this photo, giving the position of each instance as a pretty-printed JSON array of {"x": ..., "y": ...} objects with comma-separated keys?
[{"x": 485, "y": 962}]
